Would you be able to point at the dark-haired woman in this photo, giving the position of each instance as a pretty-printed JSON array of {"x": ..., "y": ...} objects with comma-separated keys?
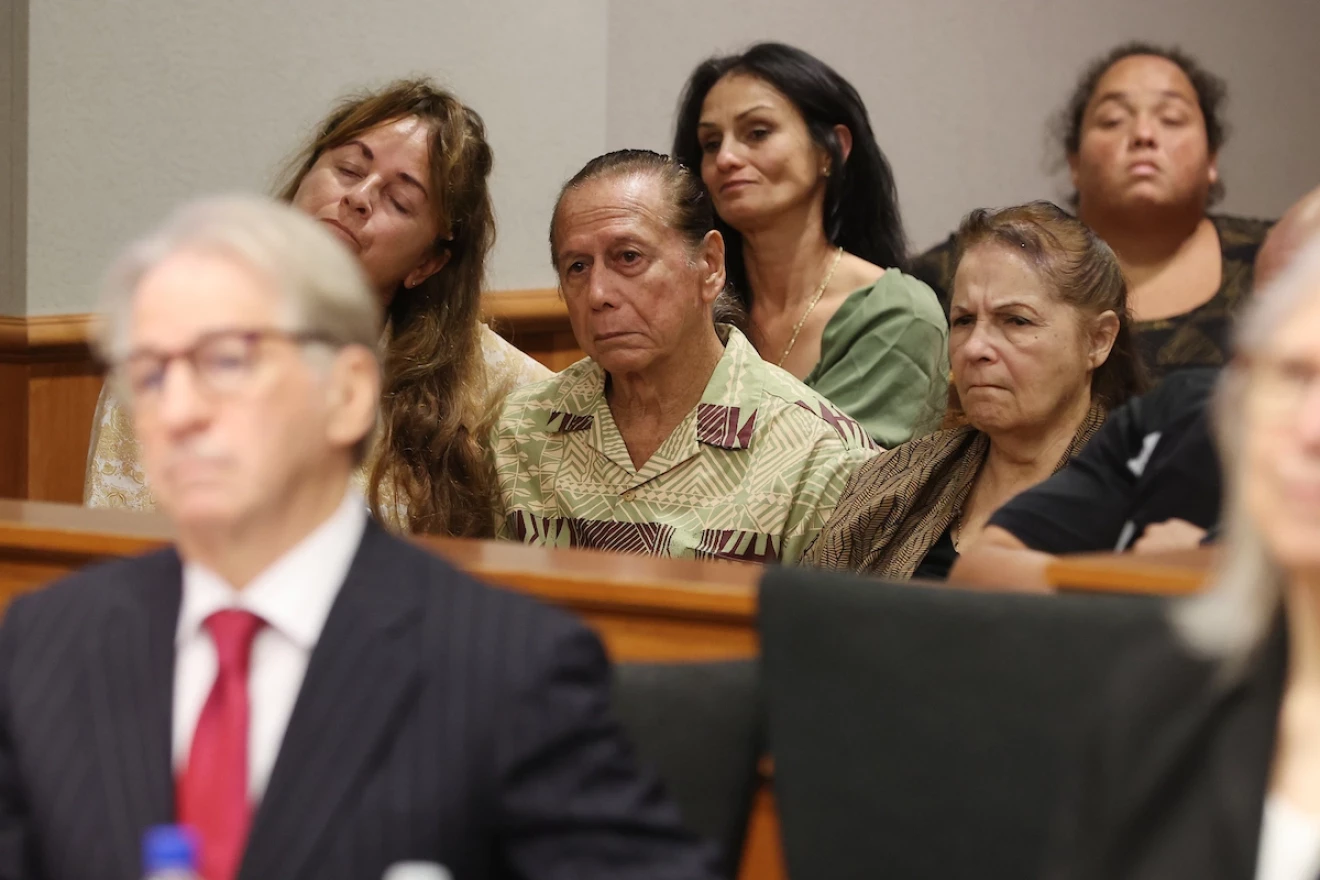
[
  {"x": 815, "y": 247},
  {"x": 1141, "y": 135},
  {"x": 401, "y": 175}
]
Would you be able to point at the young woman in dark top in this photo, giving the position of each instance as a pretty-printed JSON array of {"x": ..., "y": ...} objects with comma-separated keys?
[{"x": 1141, "y": 135}]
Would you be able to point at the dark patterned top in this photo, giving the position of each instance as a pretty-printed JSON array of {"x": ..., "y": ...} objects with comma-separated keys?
[{"x": 1199, "y": 338}]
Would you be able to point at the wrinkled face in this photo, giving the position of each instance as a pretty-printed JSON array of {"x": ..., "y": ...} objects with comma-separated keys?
[
  {"x": 374, "y": 194},
  {"x": 1143, "y": 139},
  {"x": 1020, "y": 356},
  {"x": 758, "y": 158},
  {"x": 248, "y": 429},
  {"x": 1281, "y": 450},
  {"x": 636, "y": 294}
]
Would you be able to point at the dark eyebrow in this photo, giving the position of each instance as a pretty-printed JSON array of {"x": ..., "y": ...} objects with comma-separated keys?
[
  {"x": 1015, "y": 304},
  {"x": 412, "y": 181},
  {"x": 403, "y": 175},
  {"x": 1122, "y": 97},
  {"x": 999, "y": 307},
  {"x": 1116, "y": 97},
  {"x": 1177, "y": 96},
  {"x": 748, "y": 112}
]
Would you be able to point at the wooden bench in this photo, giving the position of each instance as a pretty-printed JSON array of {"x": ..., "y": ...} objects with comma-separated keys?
[{"x": 1172, "y": 573}]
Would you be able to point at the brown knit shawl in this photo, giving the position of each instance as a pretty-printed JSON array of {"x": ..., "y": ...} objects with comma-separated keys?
[{"x": 898, "y": 504}]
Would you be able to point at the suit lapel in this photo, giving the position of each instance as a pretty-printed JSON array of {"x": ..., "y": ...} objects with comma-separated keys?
[
  {"x": 1226, "y": 737},
  {"x": 131, "y": 669},
  {"x": 1243, "y": 755},
  {"x": 359, "y": 679}
]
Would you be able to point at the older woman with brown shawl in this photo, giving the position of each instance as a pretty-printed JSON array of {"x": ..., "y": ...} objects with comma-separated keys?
[{"x": 1041, "y": 348}]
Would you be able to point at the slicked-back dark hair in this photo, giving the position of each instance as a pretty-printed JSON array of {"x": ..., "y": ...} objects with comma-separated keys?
[
  {"x": 690, "y": 213},
  {"x": 1211, "y": 94},
  {"x": 861, "y": 202}
]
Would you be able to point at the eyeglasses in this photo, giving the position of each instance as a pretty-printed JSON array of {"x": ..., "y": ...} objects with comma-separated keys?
[
  {"x": 1278, "y": 388},
  {"x": 222, "y": 361}
]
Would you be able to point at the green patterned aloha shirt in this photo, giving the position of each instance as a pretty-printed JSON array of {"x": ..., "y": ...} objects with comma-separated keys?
[{"x": 751, "y": 474}]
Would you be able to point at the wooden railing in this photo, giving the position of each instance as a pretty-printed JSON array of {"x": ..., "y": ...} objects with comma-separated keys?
[
  {"x": 49, "y": 382},
  {"x": 644, "y": 609}
]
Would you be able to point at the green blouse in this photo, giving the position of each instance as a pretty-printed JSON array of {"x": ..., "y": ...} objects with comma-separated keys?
[{"x": 884, "y": 359}]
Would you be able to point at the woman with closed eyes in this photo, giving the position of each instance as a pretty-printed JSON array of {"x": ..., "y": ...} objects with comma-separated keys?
[
  {"x": 401, "y": 176},
  {"x": 1141, "y": 135}
]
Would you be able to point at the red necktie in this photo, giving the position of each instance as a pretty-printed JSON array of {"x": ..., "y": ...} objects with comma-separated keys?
[{"x": 213, "y": 791}]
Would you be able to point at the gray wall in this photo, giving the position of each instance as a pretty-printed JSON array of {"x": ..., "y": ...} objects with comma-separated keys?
[
  {"x": 960, "y": 91},
  {"x": 137, "y": 104},
  {"x": 13, "y": 153}
]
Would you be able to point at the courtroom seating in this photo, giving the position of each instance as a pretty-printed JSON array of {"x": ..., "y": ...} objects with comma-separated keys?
[
  {"x": 927, "y": 732},
  {"x": 699, "y": 725}
]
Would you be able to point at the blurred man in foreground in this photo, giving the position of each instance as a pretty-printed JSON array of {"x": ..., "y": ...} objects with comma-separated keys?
[{"x": 316, "y": 698}]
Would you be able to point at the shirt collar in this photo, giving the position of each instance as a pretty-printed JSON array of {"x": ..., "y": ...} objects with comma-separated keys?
[
  {"x": 726, "y": 415},
  {"x": 294, "y": 595}
]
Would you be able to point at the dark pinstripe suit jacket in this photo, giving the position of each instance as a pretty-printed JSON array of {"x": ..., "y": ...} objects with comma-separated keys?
[{"x": 439, "y": 720}]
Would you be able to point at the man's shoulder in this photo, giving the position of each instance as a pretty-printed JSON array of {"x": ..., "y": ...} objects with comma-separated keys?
[
  {"x": 456, "y": 599},
  {"x": 82, "y": 599},
  {"x": 569, "y": 393},
  {"x": 549, "y": 392},
  {"x": 111, "y": 581},
  {"x": 788, "y": 404}
]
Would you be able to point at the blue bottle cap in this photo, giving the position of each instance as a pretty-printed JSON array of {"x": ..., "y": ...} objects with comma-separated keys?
[{"x": 169, "y": 848}]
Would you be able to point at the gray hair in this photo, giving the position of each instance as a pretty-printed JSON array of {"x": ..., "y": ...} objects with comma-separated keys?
[
  {"x": 322, "y": 287},
  {"x": 1232, "y": 617}
]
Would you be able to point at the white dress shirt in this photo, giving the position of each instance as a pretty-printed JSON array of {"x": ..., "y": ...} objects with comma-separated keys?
[
  {"x": 293, "y": 596},
  {"x": 1289, "y": 843}
]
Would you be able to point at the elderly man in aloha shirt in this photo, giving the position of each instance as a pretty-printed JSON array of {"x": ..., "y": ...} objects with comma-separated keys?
[{"x": 673, "y": 437}]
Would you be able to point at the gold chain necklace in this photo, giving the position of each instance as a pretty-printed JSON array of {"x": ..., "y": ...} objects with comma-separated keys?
[{"x": 820, "y": 291}]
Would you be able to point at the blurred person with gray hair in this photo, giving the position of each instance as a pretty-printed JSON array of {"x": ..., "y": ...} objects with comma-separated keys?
[
  {"x": 288, "y": 679},
  {"x": 1205, "y": 761}
]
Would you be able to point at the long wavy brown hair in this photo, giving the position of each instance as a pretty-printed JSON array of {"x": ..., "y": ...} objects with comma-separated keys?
[{"x": 432, "y": 457}]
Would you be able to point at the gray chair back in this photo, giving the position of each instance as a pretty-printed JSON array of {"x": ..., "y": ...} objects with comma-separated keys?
[
  {"x": 922, "y": 731},
  {"x": 699, "y": 725}
]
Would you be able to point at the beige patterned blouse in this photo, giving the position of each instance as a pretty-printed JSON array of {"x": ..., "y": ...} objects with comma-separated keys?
[{"x": 114, "y": 470}]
